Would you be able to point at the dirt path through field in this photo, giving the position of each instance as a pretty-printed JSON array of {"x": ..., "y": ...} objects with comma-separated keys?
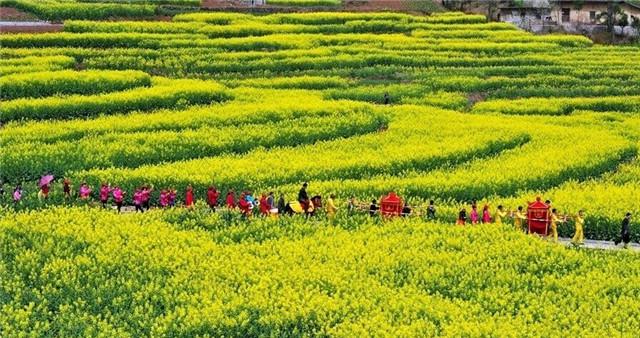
[
  {"x": 29, "y": 27},
  {"x": 15, "y": 21}
]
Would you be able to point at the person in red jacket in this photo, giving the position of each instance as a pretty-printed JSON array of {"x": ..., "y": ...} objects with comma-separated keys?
[
  {"x": 44, "y": 192},
  {"x": 264, "y": 205},
  {"x": 231, "y": 200},
  {"x": 188, "y": 198},
  {"x": 245, "y": 206},
  {"x": 212, "y": 197}
]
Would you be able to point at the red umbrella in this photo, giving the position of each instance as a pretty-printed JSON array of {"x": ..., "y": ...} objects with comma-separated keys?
[{"x": 46, "y": 179}]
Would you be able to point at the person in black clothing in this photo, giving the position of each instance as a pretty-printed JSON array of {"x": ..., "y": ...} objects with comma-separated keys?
[
  {"x": 373, "y": 209},
  {"x": 406, "y": 210},
  {"x": 625, "y": 232},
  {"x": 282, "y": 205},
  {"x": 431, "y": 210},
  {"x": 303, "y": 197},
  {"x": 387, "y": 99}
]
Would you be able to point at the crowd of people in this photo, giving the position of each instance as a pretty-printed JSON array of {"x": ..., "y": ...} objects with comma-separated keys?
[{"x": 267, "y": 204}]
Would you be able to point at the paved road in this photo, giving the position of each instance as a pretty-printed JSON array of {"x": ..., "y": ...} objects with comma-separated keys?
[
  {"x": 588, "y": 243},
  {"x": 602, "y": 245}
]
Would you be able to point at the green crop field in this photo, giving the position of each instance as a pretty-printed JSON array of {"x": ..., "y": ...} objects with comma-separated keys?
[{"x": 476, "y": 111}]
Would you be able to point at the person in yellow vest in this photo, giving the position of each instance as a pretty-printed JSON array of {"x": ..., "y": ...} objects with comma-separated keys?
[
  {"x": 331, "y": 208},
  {"x": 500, "y": 214},
  {"x": 519, "y": 218},
  {"x": 578, "y": 237},
  {"x": 553, "y": 228}
]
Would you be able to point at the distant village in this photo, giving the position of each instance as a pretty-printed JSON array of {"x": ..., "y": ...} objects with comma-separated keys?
[
  {"x": 607, "y": 20},
  {"x": 615, "y": 18}
]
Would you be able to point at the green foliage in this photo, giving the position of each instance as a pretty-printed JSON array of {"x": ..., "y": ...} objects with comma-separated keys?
[
  {"x": 58, "y": 10},
  {"x": 169, "y": 94},
  {"x": 26, "y": 161},
  {"x": 42, "y": 84},
  {"x": 305, "y": 3},
  {"x": 90, "y": 272}
]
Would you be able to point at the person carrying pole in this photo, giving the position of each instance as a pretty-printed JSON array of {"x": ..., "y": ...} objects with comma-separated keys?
[
  {"x": 373, "y": 208},
  {"x": 519, "y": 218},
  {"x": 500, "y": 214},
  {"x": 406, "y": 210},
  {"x": 331, "y": 208},
  {"x": 553, "y": 225},
  {"x": 578, "y": 237}
]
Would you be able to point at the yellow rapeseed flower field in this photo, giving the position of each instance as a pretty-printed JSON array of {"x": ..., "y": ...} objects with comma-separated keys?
[{"x": 446, "y": 107}]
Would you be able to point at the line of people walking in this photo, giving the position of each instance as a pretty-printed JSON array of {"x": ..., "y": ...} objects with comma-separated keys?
[
  {"x": 267, "y": 204},
  {"x": 554, "y": 220}
]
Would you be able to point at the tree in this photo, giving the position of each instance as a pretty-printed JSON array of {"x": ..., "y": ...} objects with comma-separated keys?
[
  {"x": 613, "y": 9},
  {"x": 456, "y": 5},
  {"x": 492, "y": 7}
]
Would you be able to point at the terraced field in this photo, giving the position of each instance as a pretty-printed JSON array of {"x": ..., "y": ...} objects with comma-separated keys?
[
  {"x": 446, "y": 107},
  {"x": 477, "y": 110}
]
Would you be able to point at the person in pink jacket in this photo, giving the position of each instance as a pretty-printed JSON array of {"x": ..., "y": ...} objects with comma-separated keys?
[
  {"x": 17, "y": 194},
  {"x": 105, "y": 189},
  {"x": 172, "y": 197},
  {"x": 475, "y": 218},
  {"x": 85, "y": 191},
  {"x": 118, "y": 197},
  {"x": 138, "y": 199},
  {"x": 146, "y": 196},
  {"x": 486, "y": 215},
  {"x": 164, "y": 198}
]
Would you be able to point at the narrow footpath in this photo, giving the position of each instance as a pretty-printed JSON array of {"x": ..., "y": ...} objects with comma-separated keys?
[{"x": 601, "y": 245}]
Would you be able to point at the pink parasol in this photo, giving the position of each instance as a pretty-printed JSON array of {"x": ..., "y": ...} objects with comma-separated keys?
[{"x": 45, "y": 180}]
